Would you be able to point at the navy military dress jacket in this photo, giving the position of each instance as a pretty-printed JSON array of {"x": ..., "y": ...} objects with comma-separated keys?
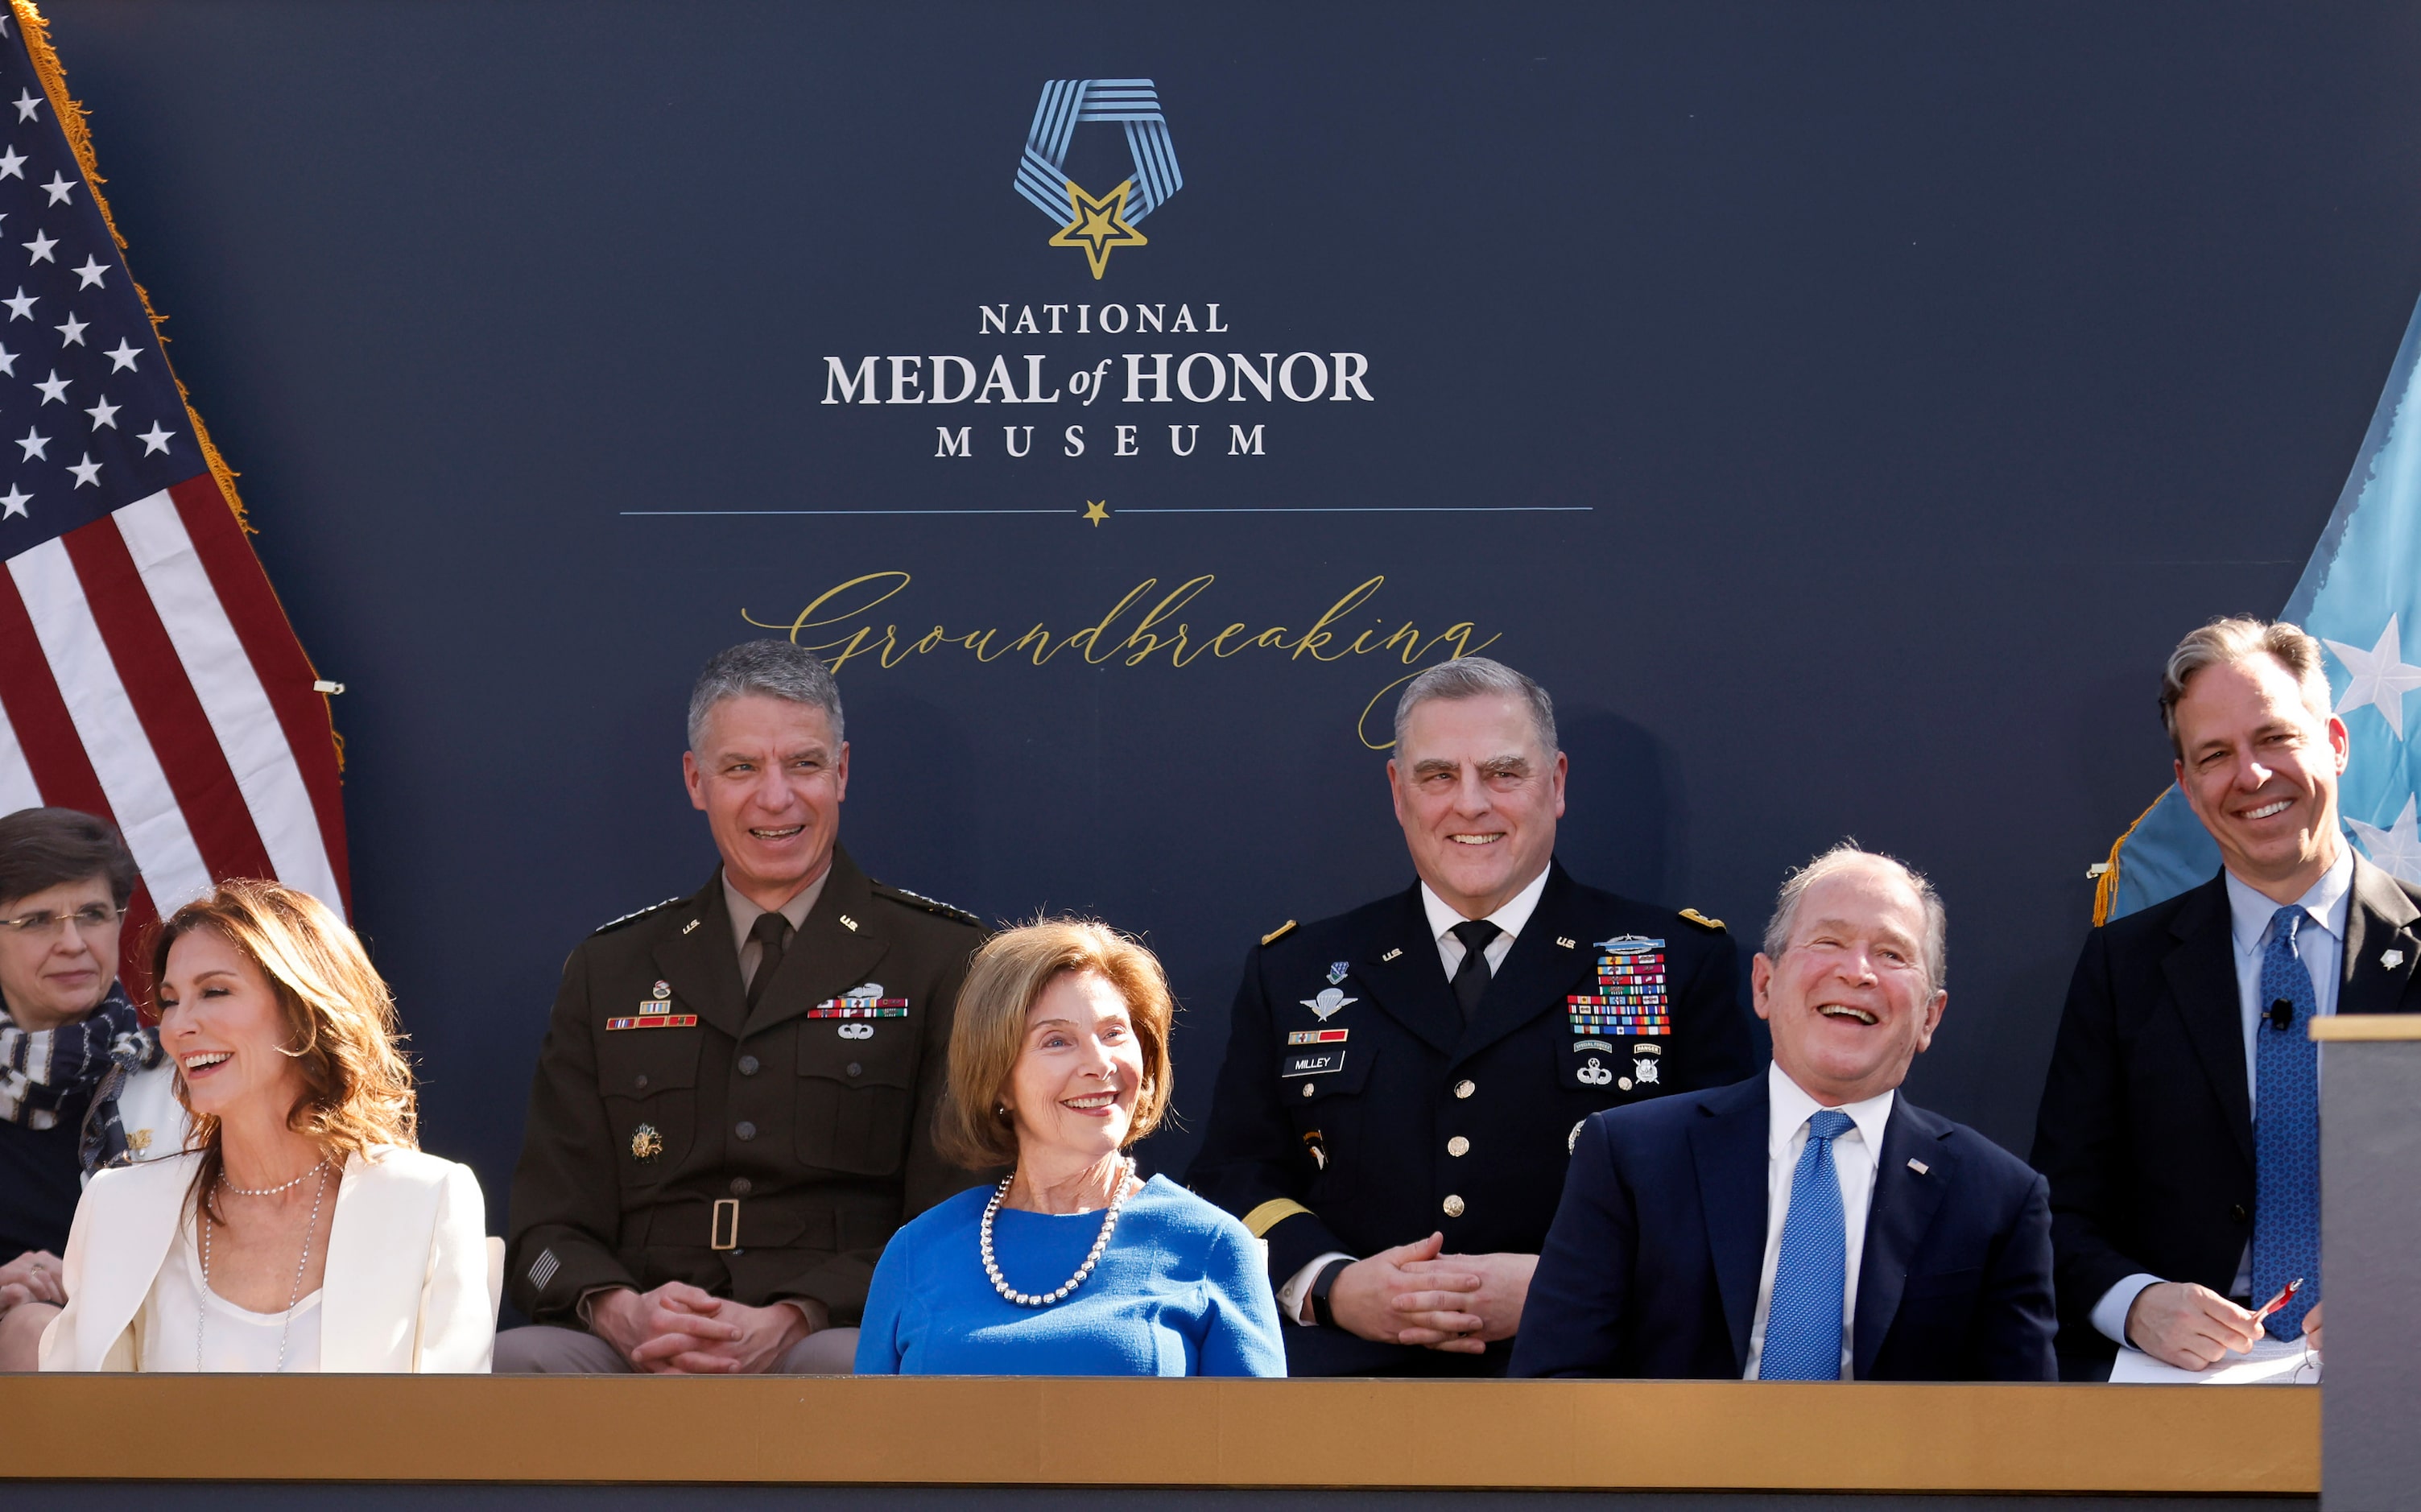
[
  {"x": 1356, "y": 1110},
  {"x": 1653, "y": 1268}
]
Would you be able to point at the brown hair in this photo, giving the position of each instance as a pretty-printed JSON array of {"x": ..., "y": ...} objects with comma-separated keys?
[
  {"x": 1007, "y": 977},
  {"x": 43, "y": 848},
  {"x": 2229, "y": 640},
  {"x": 340, "y": 1018}
]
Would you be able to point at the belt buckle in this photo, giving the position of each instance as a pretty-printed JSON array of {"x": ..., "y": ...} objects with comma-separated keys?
[{"x": 725, "y": 1233}]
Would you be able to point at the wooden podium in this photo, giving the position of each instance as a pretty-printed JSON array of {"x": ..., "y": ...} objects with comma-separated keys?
[{"x": 1425, "y": 1442}]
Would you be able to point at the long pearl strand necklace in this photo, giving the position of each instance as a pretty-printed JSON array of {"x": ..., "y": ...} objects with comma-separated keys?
[
  {"x": 203, "y": 1219},
  {"x": 1109, "y": 1225}
]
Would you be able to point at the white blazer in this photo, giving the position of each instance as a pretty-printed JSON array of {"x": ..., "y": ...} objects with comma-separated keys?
[{"x": 407, "y": 1281}]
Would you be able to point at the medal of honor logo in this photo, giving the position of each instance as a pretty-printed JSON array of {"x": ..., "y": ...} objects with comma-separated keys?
[{"x": 1099, "y": 223}]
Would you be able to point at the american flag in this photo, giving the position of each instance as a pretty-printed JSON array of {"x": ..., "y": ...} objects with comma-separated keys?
[{"x": 146, "y": 671}]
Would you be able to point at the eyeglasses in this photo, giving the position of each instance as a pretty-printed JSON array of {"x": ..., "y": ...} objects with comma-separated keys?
[{"x": 44, "y": 925}]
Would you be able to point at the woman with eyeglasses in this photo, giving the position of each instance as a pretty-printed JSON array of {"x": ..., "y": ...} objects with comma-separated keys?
[
  {"x": 305, "y": 1230},
  {"x": 84, "y": 1084}
]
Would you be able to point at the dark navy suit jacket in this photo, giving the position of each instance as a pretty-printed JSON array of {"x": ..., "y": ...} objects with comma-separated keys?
[
  {"x": 1651, "y": 1267},
  {"x": 2147, "y": 1123}
]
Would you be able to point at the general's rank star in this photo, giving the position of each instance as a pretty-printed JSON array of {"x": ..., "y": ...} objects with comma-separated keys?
[{"x": 1098, "y": 224}]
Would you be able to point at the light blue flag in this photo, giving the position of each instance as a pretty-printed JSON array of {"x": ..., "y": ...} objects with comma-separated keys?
[{"x": 2361, "y": 595}]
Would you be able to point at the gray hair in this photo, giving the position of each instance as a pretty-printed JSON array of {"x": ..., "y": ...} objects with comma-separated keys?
[
  {"x": 774, "y": 668},
  {"x": 1840, "y": 858},
  {"x": 2234, "y": 639},
  {"x": 1469, "y": 677}
]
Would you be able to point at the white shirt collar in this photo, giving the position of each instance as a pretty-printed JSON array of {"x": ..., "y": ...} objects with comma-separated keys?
[
  {"x": 2250, "y": 910},
  {"x": 1793, "y": 1107},
  {"x": 1511, "y": 918}
]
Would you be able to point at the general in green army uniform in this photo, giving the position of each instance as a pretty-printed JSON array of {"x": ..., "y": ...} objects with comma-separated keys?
[{"x": 734, "y": 1108}]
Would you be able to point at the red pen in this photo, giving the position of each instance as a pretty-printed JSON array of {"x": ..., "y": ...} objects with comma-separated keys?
[{"x": 2285, "y": 1295}]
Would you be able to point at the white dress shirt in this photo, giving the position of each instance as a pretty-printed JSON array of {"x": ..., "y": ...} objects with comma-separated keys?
[
  {"x": 2320, "y": 947},
  {"x": 1855, "y": 1156},
  {"x": 1508, "y": 921},
  {"x": 1294, "y": 1298}
]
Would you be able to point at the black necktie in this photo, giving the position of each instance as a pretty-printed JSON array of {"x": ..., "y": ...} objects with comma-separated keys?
[
  {"x": 1470, "y": 977},
  {"x": 768, "y": 932}
]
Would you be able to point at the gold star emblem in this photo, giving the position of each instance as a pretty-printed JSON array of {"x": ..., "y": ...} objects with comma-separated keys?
[
  {"x": 1097, "y": 510},
  {"x": 1098, "y": 224}
]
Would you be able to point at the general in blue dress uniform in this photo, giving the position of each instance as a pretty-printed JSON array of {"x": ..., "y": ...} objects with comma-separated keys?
[{"x": 1405, "y": 1083}]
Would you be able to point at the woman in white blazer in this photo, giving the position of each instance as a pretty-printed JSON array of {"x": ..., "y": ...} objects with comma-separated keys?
[{"x": 305, "y": 1230}]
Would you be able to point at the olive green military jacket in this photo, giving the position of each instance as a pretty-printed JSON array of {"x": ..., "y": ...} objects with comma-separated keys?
[{"x": 674, "y": 1135}]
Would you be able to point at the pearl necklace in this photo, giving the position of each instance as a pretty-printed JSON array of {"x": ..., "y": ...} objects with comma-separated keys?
[
  {"x": 1109, "y": 1225},
  {"x": 202, "y": 1219},
  {"x": 225, "y": 1185}
]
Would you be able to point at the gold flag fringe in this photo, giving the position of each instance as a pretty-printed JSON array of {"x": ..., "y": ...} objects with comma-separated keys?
[
  {"x": 79, "y": 134},
  {"x": 72, "y": 121},
  {"x": 2105, "y": 887}
]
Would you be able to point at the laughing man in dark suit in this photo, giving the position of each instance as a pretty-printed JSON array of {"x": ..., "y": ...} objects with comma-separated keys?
[{"x": 1809, "y": 1224}]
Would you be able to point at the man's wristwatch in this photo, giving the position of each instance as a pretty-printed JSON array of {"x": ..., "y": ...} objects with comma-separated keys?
[{"x": 1319, "y": 1284}]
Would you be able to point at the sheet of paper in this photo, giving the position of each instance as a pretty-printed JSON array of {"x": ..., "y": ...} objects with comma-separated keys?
[{"x": 2271, "y": 1362}]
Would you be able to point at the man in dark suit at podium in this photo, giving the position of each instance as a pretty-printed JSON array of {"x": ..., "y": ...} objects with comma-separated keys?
[
  {"x": 2180, "y": 1122},
  {"x": 1403, "y": 1083},
  {"x": 1809, "y": 1224}
]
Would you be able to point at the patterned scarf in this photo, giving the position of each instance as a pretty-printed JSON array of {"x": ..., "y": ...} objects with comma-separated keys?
[{"x": 45, "y": 1070}]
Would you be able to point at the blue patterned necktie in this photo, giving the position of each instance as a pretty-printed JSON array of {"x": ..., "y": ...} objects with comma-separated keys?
[
  {"x": 1802, "y": 1319},
  {"x": 2286, "y": 1131}
]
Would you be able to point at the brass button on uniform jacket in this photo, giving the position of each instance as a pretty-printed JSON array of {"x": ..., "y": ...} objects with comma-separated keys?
[{"x": 675, "y": 1134}]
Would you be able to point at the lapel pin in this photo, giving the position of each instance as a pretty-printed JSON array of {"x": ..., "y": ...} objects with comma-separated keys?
[
  {"x": 1919, "y": 1166},
  {"x": 2391, "y": 958},
  {"x": 687, "y": 928},
  {"x": 1567, "y": 942},
  {"x": 1392, "y": 953},
  {"x": 849, "y": 923},
  {"x": 1338, "y": 971}
]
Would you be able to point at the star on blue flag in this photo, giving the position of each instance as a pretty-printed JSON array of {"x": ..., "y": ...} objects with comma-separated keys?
[{"x": 2362, "y": 583}]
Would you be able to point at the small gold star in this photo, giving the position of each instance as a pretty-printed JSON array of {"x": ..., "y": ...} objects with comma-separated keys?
[
  {"x": 1098, "y": 224},
  {"x": 1097, "y": 510}
]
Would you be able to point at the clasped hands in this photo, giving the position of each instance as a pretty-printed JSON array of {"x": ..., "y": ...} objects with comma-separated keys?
[
  {"x": 678, "y": 1328},
  {"x": 32, "y": 1277},
  {"x": 2191, "y": 1327},
  {"x": 1417, "y": 1294}
]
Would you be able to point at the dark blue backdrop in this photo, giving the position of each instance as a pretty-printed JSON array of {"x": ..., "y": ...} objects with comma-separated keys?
[{"x": 1925, "y": 371}]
